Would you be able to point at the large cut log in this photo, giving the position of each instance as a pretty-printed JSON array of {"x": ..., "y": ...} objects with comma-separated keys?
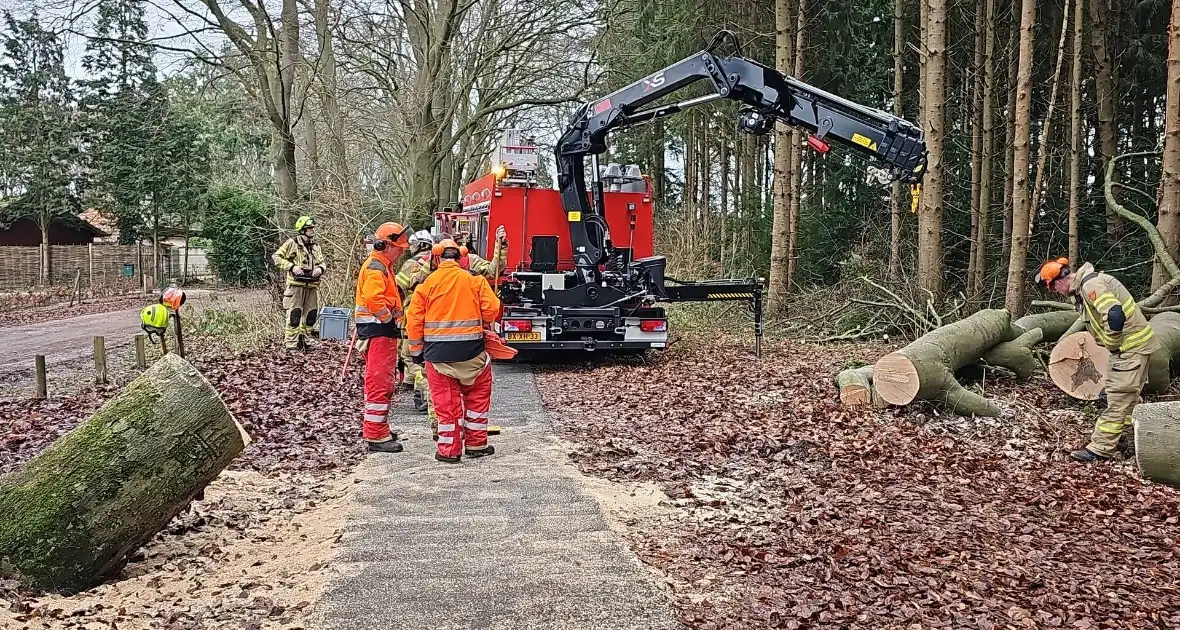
[
  {"x": 925, "y": 368},
  {"x": 856, "y": 388},
  {"x": 1157, "y": 441},
  {"x": 1078, "y": 363},
  {"x": 1052, "y": 324},
  {"x": 70, "y": 516},
  {"x": 1018, "y": 355}
]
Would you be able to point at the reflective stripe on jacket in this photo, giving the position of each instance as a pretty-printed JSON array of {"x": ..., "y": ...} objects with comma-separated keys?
[
  {"x": 294, "y": 253},
  {"x": 447, "y": 314},
  {"x": 1096, "y": 293},
  {"x": 378, "y": 304}
]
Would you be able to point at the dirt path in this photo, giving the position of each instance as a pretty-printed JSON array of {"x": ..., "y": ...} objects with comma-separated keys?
[{"x": 66, "y": 340}]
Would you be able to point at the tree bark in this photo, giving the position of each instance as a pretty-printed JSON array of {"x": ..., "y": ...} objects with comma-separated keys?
[
  {"x": 1043, "y": 147},
  {"x": 338, "y": 173},
  {"x": 1075, "y": 134},
  {"x": 70, "y": 516},
  {"x": 796, "y": 152},
  {"x": 900, "y": 194},
  {"x": 1010, "y": 137},
  {"x": 1157, "y": 440},
  {"x": 925, "y": 369},
  {"x": 976, "y": 142},
  {"x": 1018, "y": 355},
  {"x": 1169, "y": 205},
  {"x": 1053, "y": 324},
  {"x": 930, "y": 212},
  {"x": 1104, "y": 87},
  {"x": 1014, "y": 294},
  {"x": 780, "y": 224},
  {"x": 975, "y": 281}
]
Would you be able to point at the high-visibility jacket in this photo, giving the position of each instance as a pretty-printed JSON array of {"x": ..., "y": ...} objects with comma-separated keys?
[
  {"x": 446, "y": 316},
  {"x": 1097, "y": 295},
  {"x": 378, "y": 310},
  {"x": 299, "y": 251},
  {"x": 416, "y": 268}
]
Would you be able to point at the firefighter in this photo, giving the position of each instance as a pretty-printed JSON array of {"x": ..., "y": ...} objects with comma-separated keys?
[
  {"x": 490, "y": 269},
  {"x": 1117, "y": 323},
  {"x": 445, "y": 326},
  {"x": 413, "y": 271},
  {"x": 302, "y": 260},
  {"x": 378, "y": 317}
]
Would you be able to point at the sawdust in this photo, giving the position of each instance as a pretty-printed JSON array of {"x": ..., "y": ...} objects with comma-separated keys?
[{"x": 255, "y": 553}]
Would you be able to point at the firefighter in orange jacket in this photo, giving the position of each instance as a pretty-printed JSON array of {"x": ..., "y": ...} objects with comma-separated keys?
[
  {"x": 445, "y": 327},
  {"x": 378, "y": 316}
]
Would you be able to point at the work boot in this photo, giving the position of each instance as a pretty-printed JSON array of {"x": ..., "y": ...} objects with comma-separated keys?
[
  {"x": 388, "y": 446},
  {"x": 447, "y": 460},
  {"x": 1086, "y": 456},
  {"x": 420, "y": 402},
  {"x": 483, "y": 452}
]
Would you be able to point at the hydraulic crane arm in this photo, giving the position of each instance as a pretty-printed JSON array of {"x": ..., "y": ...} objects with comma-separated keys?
[{"x": 893, "y": 144}]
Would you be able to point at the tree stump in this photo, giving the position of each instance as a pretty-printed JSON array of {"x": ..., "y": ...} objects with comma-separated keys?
[
  {"x": 1157, "y": 441},
  {"x": 70, "y": 516},
  {"x": 925, "y": 368},
  {"x": 1078, "y": 365},
  {"x": 856, "y": 388}
]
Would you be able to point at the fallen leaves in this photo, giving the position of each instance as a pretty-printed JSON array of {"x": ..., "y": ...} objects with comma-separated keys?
[{"x": 795, "y": 512}]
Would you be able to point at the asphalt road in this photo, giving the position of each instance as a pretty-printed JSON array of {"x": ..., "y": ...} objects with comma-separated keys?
[{"x": 514, "y": 541}]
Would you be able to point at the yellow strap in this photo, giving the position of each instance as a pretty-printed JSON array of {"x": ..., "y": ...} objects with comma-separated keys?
[{"x": 915, "y": 195}]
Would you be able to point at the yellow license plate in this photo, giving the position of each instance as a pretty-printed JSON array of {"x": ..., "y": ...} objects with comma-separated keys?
[{"x": 519, "y": 336}]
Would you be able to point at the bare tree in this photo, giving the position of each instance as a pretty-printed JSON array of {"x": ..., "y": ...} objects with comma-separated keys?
[
  {"x": 979, "y": 269},
  {"x": 1169, "y": 207},
  {"x": 930, "y": 212},
  {"x": 780, "y": 280},
  {"x": 1014, "y": 293},
  {"x": 899, "y": 196},
  {"x": 1075, "y": 133}
]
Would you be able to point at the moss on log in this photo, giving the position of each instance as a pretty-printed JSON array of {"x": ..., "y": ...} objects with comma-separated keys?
[
  {"x": 1052, "y": 324},
  {"x": 1157, "y": 441},
  {"x": 70, "y": 516},
  {"x": 856, "y": 388},
  {"x": 1017, "y": 355},
  {"x": 925, "y": 368}
]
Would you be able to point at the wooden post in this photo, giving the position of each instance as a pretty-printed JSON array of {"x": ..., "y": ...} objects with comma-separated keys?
[
  {"x": 164, "y": 343},
  {"x": 77, "y": 293},
  {"x": 90, "y": 255},
  {"x": 179, "y": 334},
  {"x": 42, "y": 392},
  {"x": 141, "y": 351},
  {"x": 100, "y": 360}
]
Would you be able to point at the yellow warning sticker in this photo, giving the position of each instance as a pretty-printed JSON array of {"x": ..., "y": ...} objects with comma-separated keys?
[
  {"x": 862, "y": 140},
  {"x": 575, "y": 216},
  {"x": 873, "y": 146}
]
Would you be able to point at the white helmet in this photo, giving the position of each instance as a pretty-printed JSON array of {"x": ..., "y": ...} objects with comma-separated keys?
[{"x": 421, "y": 237}]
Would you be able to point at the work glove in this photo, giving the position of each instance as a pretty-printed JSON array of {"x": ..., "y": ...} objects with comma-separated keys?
[
  {"x": 297, "y": 270},
  {"x": 502, "y": 236},
  {"x": 319, "y": 271},
  {"x": 1102, "y": 397},
  {"x": 362, "y": 345}
]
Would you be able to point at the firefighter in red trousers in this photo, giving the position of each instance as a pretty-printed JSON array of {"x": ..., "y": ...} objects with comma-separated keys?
[
  {"x": 445, "y": 327},
  {"x": 378, "y": 317}
]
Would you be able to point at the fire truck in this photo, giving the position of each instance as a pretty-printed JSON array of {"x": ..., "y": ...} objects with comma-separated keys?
[{"x": 582, "y": 273}]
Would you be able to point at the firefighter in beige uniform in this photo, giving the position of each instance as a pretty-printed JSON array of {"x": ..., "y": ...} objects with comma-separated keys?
[
  {"x": 1118, "y": 324},
  {"x": 302, "y": 261}
]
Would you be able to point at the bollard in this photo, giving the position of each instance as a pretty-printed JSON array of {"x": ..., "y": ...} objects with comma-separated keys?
[
  {"x": 100, "y": 360},
  {"x": 42, "y": 392},
  {"x": 141, "y": 351}
]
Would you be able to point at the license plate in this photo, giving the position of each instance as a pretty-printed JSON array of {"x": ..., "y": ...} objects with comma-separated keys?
[{"x": 519, "y": 336}]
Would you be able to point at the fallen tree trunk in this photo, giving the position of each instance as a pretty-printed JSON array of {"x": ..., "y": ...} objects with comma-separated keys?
[
  {"x": 1078, "y": 363},
  {"x": 1017, "y": 355},
  {"x": 1157, "y": 441},
  {"x": 856, "y": 388},
  {"x": 1052, "y": 324},
  {"x": 925, "y": 368},
  {"x": 70, "y": 516}
]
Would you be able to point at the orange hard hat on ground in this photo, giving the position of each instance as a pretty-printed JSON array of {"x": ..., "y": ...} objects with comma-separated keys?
[
  {"x": 496, "y": 348},
  {"x": 394, "y": 233},
  {"x": 1052, "y": 270}
]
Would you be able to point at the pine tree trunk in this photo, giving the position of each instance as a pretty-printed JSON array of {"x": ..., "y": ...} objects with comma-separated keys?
[
  {"x": 1044, "y": 146},
  {"x": 46, "y": 258},
  {"x": 975, "y": 282},
  {"x": 1169, "y": 206},
  {"x": 1014, "y": 294},
  {"x": 795, "y": 153},
  {"x": 1075, "y": 134},
  {"x": 976, "y": 142},
  {"x": 1010, "y": 136},
  {"x": 658, "y": 164},
  {"x": 780, "y": 224},
  {"x": 1104, "y": 87},
  {"x": 930, "y": 212},
  {"x": 70, "y": 516},
  {"x": 899, "y": 195}
]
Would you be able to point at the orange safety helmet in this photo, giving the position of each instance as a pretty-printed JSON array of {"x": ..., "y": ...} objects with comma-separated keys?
[
  {"x": 391, "y": 233},
  {"x": 172, "y": 297},
  {"x": 446, "y": 244},
  {"x": 1052, "y": 270}
]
